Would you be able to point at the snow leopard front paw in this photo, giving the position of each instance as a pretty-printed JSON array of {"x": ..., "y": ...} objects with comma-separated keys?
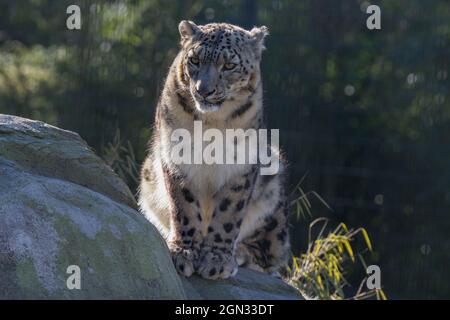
[
  {"x": 183, "y": 259},
  {"x": 216, "y": 264}
]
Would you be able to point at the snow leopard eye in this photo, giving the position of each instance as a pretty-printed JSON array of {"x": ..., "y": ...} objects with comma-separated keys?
[
  {"x": 194, "y": 60},
  {"x": 229, "y": 66}
]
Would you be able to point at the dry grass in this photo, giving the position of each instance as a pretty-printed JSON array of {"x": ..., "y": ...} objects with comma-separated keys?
[{"x": 320, "y": 272}]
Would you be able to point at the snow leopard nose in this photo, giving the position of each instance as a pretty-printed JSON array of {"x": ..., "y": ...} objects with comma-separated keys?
[{"x": 203, "y": 89}]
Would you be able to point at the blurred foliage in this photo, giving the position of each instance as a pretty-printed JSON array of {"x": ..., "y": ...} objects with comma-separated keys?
[
  {"x": 120, "y": 156},
  {"x": 366, "y": 113}
]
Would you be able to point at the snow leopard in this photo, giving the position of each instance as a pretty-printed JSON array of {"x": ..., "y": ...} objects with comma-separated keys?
[{"x": 215, "y": 217}]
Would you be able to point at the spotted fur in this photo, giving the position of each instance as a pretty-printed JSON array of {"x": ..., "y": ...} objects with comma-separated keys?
[{"x": 214, "y": 217}]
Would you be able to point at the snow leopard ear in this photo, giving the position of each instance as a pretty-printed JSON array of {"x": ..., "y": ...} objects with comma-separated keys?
[
  {"x": 188, "y": 30},
  {"x": 258, "y": 34}
]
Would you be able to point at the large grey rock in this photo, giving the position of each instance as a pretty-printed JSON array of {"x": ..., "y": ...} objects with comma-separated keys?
[{"x": 60, "y": 205}]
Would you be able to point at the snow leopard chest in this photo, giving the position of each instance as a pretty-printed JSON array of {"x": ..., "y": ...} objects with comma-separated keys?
[{"x": 209, "y": 177}]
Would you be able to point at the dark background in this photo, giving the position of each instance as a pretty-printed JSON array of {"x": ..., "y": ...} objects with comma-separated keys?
[{"x": 365, "y": 114}]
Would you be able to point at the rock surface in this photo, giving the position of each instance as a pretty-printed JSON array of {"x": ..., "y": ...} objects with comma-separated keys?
[
  {"x": 247, "y": 284},
  {"x": 61, "y": 205}
]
